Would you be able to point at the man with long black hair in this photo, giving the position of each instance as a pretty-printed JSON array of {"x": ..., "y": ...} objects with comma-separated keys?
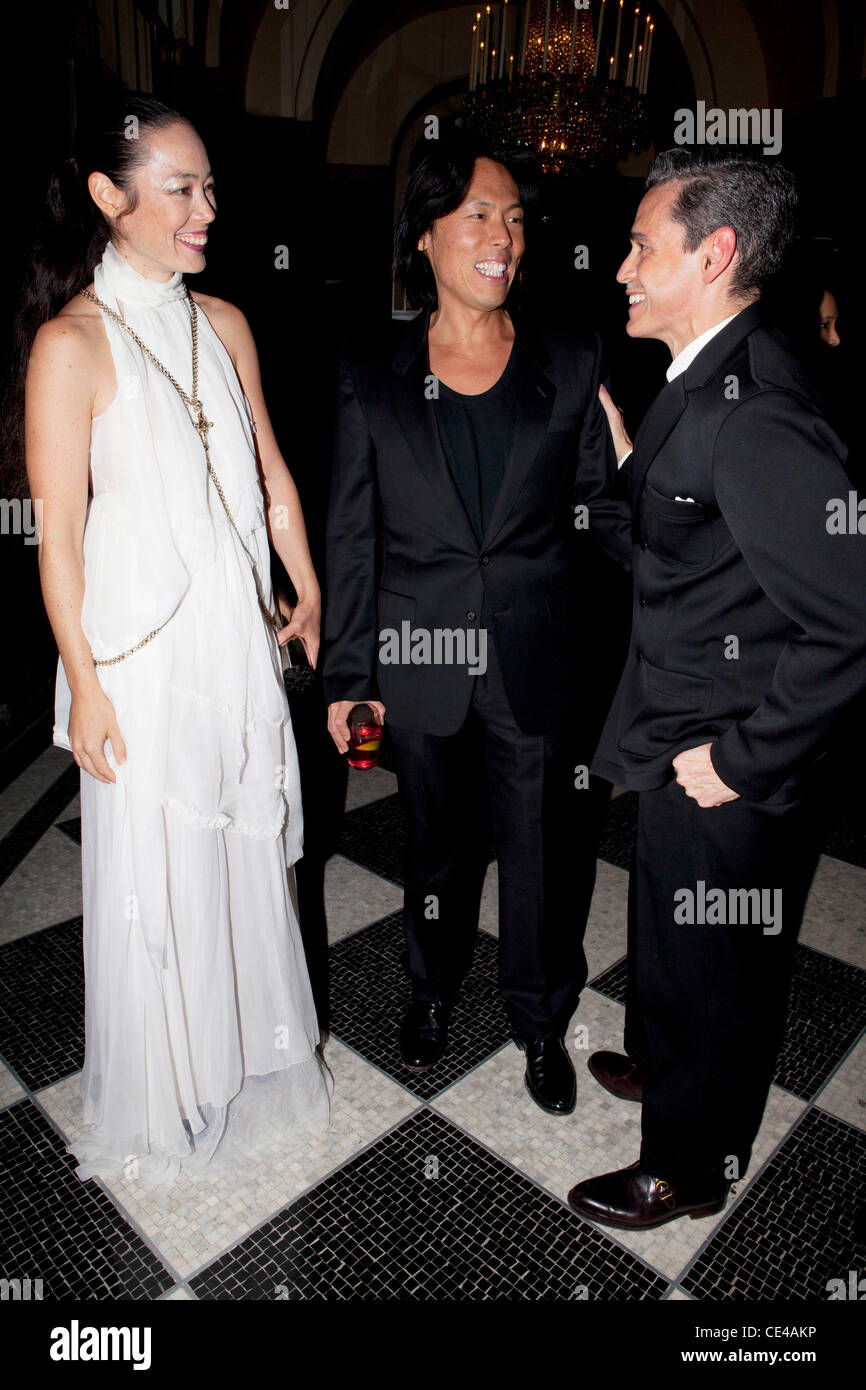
[{"x": 459, "y": 462}]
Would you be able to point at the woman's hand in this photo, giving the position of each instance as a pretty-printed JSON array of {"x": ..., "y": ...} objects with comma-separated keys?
[
  {"x": 91, "y": 721},
  {"x": 621, "y": 442},
  {"x": 304, "y": 621}
]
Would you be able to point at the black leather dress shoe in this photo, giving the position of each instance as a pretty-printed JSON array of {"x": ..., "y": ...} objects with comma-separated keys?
[
  {"x": 635, "y": 1201},
  {"x": 424, "y": 1035},
  {"x": 550, "y": 1078},
  {"x": 617, "y": 1074}
]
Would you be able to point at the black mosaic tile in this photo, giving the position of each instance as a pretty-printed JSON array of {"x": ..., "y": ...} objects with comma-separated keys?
[
  {"x": 374, "y": 836},
  {"x": 72, "y": 828},
  {"x": 427, "y": 1214},
  {"x": 58, "y": 1229},
  {"x": 619, "y": 828},
  {"x": 795, "y": 1227},
  {"x": 611, "y": 982},
  {"x": 42, "y": 1004},
  {"x": 370, "y": 991},
  {"x": 18, "y": 843},
  {"x": 826, "y": 1015}
]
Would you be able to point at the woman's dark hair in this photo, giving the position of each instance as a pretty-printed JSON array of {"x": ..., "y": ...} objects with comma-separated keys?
[
  {"x": 439, "y": 181},
  {"x": 758, "y": 198},
  {"x": 70, "y": 239}
]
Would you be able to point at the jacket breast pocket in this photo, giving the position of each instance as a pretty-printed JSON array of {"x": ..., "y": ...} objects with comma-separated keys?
[{"x": 681, "y": 531}]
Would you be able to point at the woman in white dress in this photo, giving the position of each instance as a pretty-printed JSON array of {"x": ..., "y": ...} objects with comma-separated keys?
[{"x": 169, "y": 688}]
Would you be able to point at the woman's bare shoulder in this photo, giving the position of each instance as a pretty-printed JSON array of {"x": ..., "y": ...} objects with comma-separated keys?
[
  {"x": 75, "y": 328},
  {"x": 70, "y": 352},
  {"x": 227, "y": 320}
]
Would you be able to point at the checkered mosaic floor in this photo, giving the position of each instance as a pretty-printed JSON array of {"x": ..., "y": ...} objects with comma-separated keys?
[{"x": 446, "y": 1186}]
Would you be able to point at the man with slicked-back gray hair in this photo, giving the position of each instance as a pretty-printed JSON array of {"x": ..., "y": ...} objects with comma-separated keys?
[{"x": 748, "y": 640}]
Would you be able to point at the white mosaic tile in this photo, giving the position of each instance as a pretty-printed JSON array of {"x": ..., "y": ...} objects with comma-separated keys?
[
  {"x": 606, "y": 928},
  {"x": 488, "y": 917},
  {"x": 192, "y": 1221},
  {"x": 179, "y": 1295},
  {"x": 44, "y": 889},
  {"x": 22, "y": 794},
  {"x": 605, "y": 940},
  {"x": 679, "y": 1296},
  {"x": 835, "y": 916},
  {"x": 603, "y": 1133},
  {"x": 366, "y": 785},
  {"x": 844, "y": 1094},
  {"x": 10, "y": 1089},
  {"x": 354, "y": 897}
]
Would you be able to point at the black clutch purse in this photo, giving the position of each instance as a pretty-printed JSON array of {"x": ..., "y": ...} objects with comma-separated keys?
[{"x": 298, "y": 675}]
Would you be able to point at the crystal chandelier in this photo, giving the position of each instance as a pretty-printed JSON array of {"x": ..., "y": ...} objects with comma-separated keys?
[{"x": 540, "y": 79}]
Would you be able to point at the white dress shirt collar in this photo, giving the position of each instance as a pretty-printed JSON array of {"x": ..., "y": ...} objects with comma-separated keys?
[{"x": 690, "y": 351}]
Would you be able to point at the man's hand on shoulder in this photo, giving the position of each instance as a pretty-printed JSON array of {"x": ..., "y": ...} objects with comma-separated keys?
[
  {"x": 699, "y": 779},
  {"x": 622, "y": 445}
]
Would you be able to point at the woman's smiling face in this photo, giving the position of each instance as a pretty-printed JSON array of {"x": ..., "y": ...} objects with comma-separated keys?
[{"x": 167, "y": 228}]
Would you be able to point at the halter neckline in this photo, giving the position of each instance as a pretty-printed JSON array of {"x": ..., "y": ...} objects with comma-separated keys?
[{"x": 131, "y": 287}]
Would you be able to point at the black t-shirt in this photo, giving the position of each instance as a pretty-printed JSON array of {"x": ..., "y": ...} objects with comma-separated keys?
[{"x": 476, "y": 434}]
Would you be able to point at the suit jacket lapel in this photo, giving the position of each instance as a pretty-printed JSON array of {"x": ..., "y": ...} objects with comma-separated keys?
[
  {"x": 671, "y": 401},
  {"x": 534, "y": 398},
  {"x": 655, "y": 427},
  {"x": 415, "y": 412},
  {"x": 535, "y": 395}
]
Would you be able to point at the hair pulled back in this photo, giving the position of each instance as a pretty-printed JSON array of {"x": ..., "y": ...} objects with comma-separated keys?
[{"x": 70, "y": 238}]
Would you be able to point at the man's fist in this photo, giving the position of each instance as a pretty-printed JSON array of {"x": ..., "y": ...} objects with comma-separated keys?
[{"x": 699, "y": 779}]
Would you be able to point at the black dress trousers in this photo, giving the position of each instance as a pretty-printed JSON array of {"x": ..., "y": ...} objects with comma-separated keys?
[
  {"x": 490, "y": 777},
  {"x": 707, "y": 999}
]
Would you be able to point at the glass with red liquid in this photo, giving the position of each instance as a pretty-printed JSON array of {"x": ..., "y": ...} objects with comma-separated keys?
[{"x": 365, "y": 737}]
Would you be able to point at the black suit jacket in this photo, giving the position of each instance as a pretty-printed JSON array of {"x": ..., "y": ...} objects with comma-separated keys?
[
  {"x": 749, "y": 617},
  {"x": 401, "y": 549}
]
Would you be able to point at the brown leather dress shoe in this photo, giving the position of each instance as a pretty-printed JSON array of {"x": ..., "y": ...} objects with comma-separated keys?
[
  {"x": 635, "y": 1201},
  {"x": 617, "y": 1074}
]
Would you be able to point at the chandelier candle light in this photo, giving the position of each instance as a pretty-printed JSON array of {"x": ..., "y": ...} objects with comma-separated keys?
[{"x": 558, "y": 104}]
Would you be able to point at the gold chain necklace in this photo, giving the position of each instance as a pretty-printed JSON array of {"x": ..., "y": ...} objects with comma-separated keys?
[{"x": 199, "y": 423}]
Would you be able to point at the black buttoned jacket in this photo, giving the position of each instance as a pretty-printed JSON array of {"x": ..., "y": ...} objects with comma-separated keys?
[
  {"x": 401, "y": 548},
  {"x": 749, "y": 617}
]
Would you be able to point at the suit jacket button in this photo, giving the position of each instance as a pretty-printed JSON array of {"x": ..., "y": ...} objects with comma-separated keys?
[
  {"x": 638, "y": 656},
  {"x": 485, "y": 559},
  {"x": 472, "y": 615},
  {"x": 643, "y": 545},
  {"x": 642, "y": 602}
]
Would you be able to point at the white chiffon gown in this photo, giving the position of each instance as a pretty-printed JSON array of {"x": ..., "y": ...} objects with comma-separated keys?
[{"x": 201, "y": 1032}]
